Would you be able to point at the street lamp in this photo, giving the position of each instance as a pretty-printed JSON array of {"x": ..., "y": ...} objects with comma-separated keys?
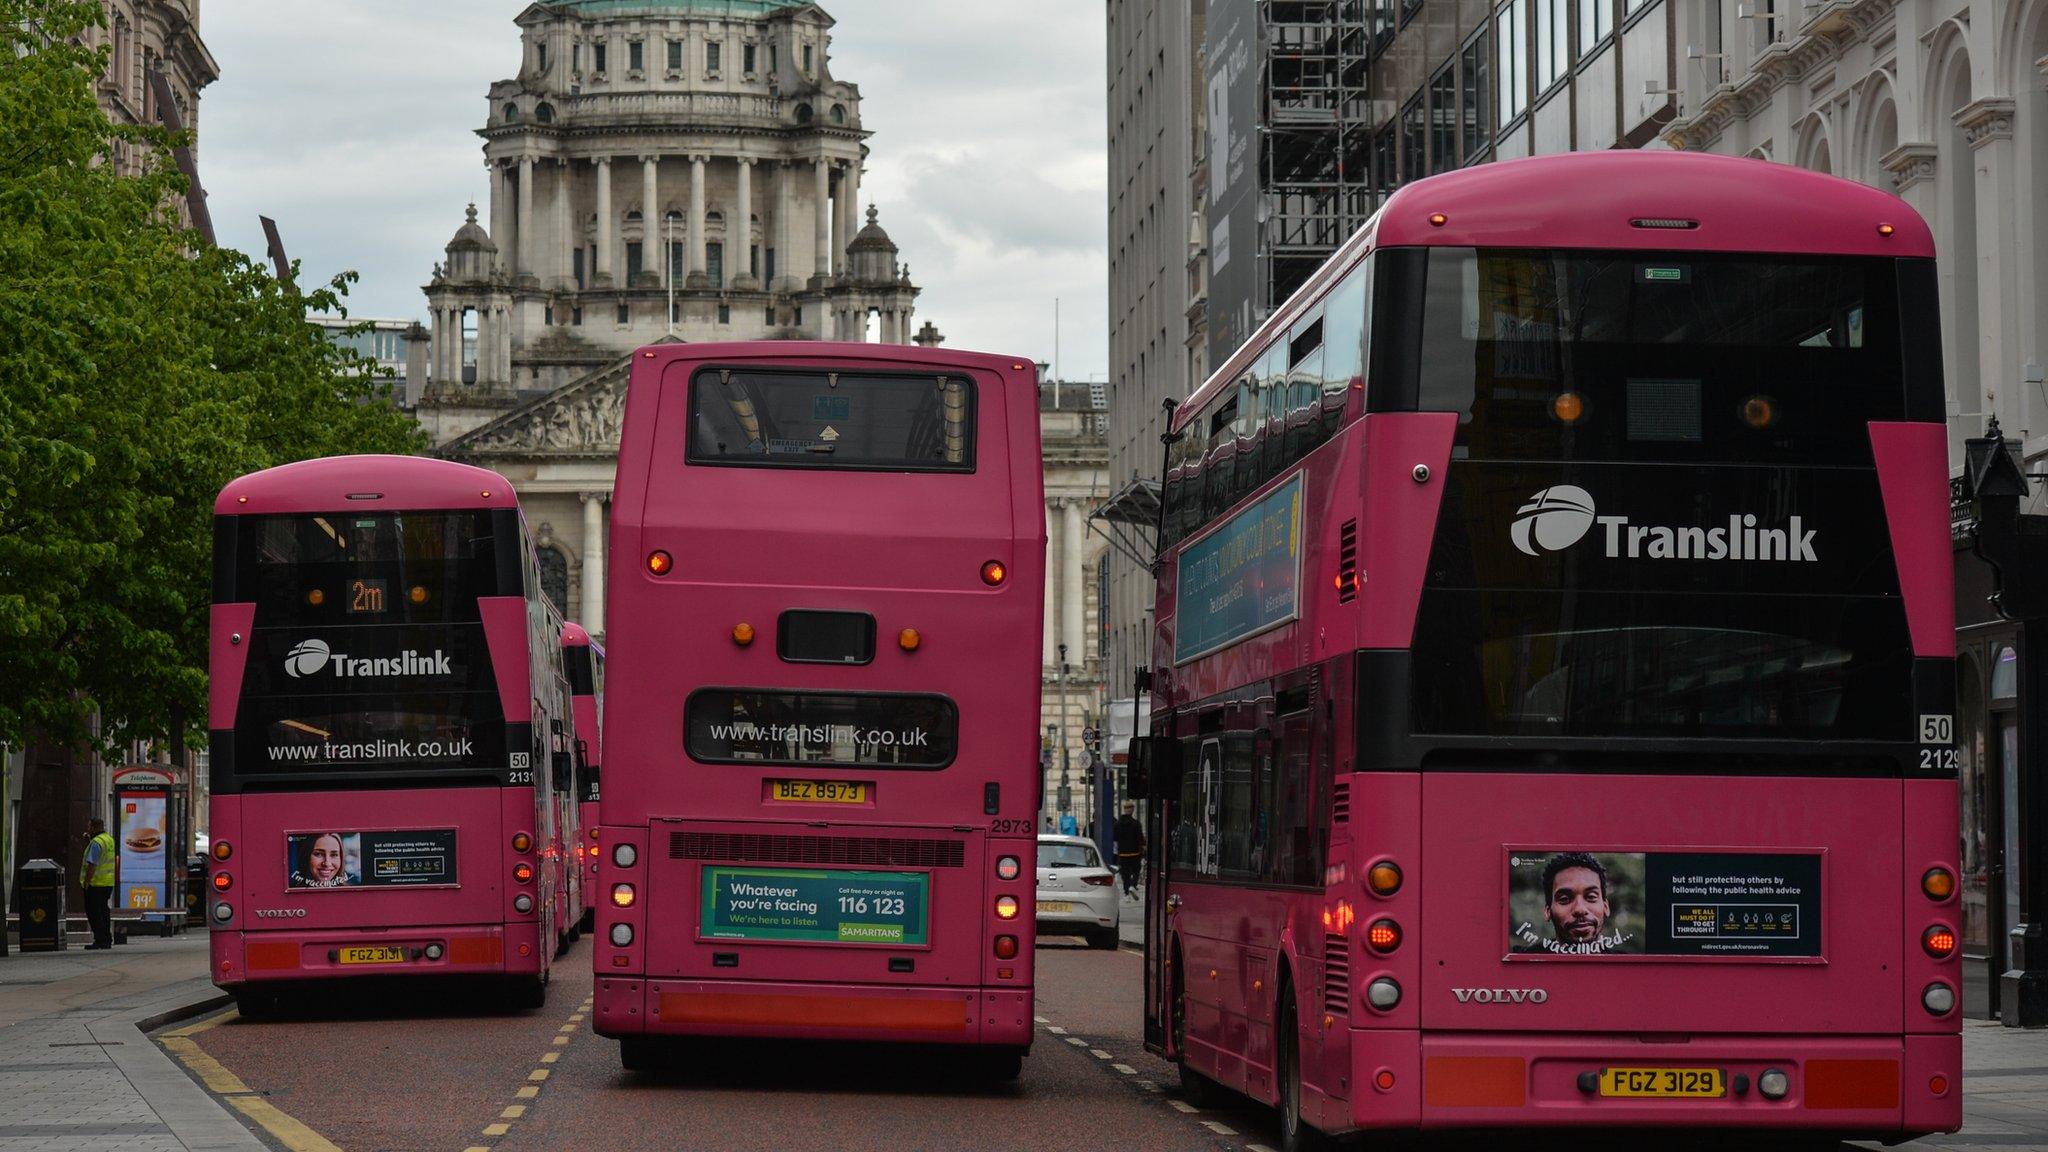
[{"x": 1066, "y": 796}]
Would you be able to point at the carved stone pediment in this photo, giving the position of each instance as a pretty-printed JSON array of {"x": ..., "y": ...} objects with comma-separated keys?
[{"x": 580, "y": 419}]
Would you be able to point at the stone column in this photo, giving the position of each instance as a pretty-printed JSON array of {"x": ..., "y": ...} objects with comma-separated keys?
[
  {"x": 602, "y": 277},
  {"x": 699, "y": 278},
  {"x": 1988, "y": 126},
  {"x": 904, "y": 325},
  {"x": 1071, "y": 585},
  {"x": 486, "y": 328},
  {"x": 451, "y": 348},
  {"x": 565, "y": 238},
  {"x": 822, "y": 265},
  {"x": 503, "y": 352},
  {"x": 525, "y": 224},
  {"x": 785, "y": 176},
  {"x": 502, "y": 194},
  {"x": 743, "y": 211},
  {"x": 650, "y": 213},
  {"x": 593, "y": 563},
  {"x": 848, "y": 206}
]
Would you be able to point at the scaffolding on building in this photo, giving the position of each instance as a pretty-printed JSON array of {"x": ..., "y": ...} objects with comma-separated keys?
[{"x": 1315, "y": 158}]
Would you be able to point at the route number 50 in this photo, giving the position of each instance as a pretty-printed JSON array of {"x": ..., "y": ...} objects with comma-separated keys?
[{"x": 1937, "y": 729}]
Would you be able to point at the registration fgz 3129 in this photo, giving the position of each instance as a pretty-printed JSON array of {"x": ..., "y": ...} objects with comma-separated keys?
[{"x": 1688, "y": 1083}]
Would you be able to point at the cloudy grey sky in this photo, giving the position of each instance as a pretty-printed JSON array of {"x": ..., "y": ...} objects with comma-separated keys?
[{"x": 353, "y": 125}]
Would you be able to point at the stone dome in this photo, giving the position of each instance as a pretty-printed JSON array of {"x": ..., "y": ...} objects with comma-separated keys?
[
  {"x": 472, "y": 254},
  {"x": 872, "y": 253}
]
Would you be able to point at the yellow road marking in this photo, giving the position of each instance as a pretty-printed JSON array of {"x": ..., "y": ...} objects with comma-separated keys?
[
  {"x": 211, "y": 1072},
  {"x": 476, "y": 1148},
  {"x": 289, "y": 1132},
  {"x": 496, "y": 1129},
  {"x": 567, "y": 1028},
  {"x": 203, "y": 1025},
  {"x": 537, "y": 1074},
  {"x": 528, "y": 1092},
  {"x": 559, "y": 1040},
  {"x": 513, "y": 1112},
  {"x": 550, "y": 1057}
]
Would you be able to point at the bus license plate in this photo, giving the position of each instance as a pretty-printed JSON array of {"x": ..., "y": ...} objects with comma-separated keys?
[
  {"x": 378, "y": 955},
  {"x": 1054, "y": 906},
  {"x": 818, "y": 791},
  {"x": 1684, "y": 1083}
]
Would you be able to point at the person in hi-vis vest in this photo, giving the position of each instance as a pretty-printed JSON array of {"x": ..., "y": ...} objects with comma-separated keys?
[{"x": 97, "y": 878}]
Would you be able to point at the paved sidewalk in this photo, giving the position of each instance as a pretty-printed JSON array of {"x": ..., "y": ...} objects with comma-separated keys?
[{"x": 77, "y": 1072}]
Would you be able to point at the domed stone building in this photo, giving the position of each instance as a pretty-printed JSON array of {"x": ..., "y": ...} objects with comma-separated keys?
[{"x": 660, "y": 169}]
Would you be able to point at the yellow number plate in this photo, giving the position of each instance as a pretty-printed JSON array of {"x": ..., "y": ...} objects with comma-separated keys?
[
  {"x": 818, "y": 792},
  {"x": 378, "y": 955},
  {"x": 1681, "y": 1083},
  {"x": 1054, "y": 906}
]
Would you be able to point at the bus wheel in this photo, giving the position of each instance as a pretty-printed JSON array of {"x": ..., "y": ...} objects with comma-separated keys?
[
  {"x": 643, "y": 1053},
  {"x": 527, "y": 993},
  {"x": 589, "y": 920},
  {"x": 257, "y": 1005},
  {"x": 1003, "y": 1065},
  {"x": 1295, "y": 1134},
  {"x": 1195, "y": 1088}
]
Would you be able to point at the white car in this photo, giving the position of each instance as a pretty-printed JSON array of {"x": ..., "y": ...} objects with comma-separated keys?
[{"x": 1077, "y": 895}]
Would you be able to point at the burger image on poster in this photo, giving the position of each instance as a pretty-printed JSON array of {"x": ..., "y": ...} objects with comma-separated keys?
[{"x": 1554, "y": 519}]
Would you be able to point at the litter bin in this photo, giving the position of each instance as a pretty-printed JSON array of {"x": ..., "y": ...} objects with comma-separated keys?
[
  {"x": 40, "y": 888},
  {"x": 195, "y": 892}
]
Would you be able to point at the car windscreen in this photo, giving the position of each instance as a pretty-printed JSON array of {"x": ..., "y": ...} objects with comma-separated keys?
[{"x": 1067, "y": 856}]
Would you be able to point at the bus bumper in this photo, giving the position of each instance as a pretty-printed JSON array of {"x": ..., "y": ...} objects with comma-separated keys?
[
  {"x": 628, "y": 1006},
  {"x": 243, "y": 957},
  {"x": 1877, "y": 1086}
]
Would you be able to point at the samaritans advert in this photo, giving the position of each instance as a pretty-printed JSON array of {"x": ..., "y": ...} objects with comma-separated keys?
[{"x": 817, "y": 906}]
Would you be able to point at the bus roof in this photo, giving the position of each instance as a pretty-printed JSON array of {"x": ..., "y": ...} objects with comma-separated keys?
[
  {"x": 1590, "y": 200},
  {"x": 365, "y": 484},
  {"x": 573, "y": 635}
]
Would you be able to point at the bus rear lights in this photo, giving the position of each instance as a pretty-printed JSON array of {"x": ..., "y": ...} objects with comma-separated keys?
[
  {"x": 622, "y": 895},
  {"x": 1438, "y": 219},
  {"x": 1102, "y": 881},
  {"x": 1773, "y": 1084},
  {"x": 909, "y": 640},
  {"x": 222, "y": 849},
  {"x": 1383, "y": 994},
  {"x": 659, "y": 562},
  {"x": 622, "y": 935},
  {"x": 1008, "y": 868},
  {"x": 223, "y": 912},
  {"x": 316, "y": 597},
  {"x": 994, "y": 573},
  {"x": 1886, "y": 230},
  {"x": 1937, "y": 1085},
  {"x": 743, "y": 634},
  {"x": 1384, "y": 878},
  {"x": 1383, "y": 1079},
  {"x": 1759, "y": 412},
  {"x": 434, "y": 951},
  {"x": 1939, "y": 940},
  {"x": 522, "y": 903},
  {"x": 1006, "y": 947},
  {"x": 419, "y": 594},
  {"x": 1006, "y": 907},
  {"x": 1939, "y": 999},
  {"x": 624, "y": 855},
  {"x": 222, "y": 881},
  {"x": 1383, "y": 936},
  {"x": 521, "y": 842},
  {"x": 1568, "y": 407},
  {"x": 1939, "y": 884},
  {"x": 523, "y": 872}
]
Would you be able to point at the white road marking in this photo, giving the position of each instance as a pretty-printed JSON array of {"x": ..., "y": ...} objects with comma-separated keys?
[
  {"x": 1126, "y": 1069},
  {"x": 1219, "y": 1128},
  {"x": 1183, "y": 1106},
  {"x": 1055, "y": 1029},
  {"x": 1099, "y": 1054},
  {"x": 1148, "y": 1086},
  {"x": 1041, "y": 1019},
  {"x": 1077, "y": 1042}
]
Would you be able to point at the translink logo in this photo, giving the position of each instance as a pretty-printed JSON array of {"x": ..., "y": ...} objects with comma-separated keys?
[
  {"x": 1560, "y": 516},
  {"x": 308, "y": 657}
]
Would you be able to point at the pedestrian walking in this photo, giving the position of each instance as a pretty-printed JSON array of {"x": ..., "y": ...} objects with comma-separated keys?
[
  {"x": 1048, "y": 825},
  {"x": 97, "y": 878},
  {"x": 1068, "y": 826},
  {"x": 1130, "y": 847}
]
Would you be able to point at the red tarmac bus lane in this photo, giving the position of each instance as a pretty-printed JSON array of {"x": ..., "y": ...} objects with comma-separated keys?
[{"x": 407, "y": 1066}]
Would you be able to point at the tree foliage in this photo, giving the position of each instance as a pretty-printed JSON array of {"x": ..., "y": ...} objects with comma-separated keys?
[{"x": 140, "y": 370}]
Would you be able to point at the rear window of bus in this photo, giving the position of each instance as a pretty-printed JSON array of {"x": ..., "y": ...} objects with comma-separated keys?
[
  {"x": 832, "y": 420},
  {"x": 765, "y": 726}
]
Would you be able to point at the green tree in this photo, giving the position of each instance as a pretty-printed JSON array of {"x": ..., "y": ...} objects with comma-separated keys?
[{"x": 139, "y": 372}]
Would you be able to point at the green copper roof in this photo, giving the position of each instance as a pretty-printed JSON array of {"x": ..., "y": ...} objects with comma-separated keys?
[{"x": 709, "y": 7}]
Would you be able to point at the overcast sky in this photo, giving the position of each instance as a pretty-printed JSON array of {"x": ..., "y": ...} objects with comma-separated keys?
[{"x": 353, "y": 126}]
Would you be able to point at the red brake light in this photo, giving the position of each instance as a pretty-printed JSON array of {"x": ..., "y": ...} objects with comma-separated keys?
[
  {"x": 1939, "y": 940},
  {"x": 523, "y": 872},
  {"x": 1006, "y": 947},
  {"x": 1102, "y": 881},
  {"x": 222, "y": 881},
  {"x": 1383, "y": 936}
]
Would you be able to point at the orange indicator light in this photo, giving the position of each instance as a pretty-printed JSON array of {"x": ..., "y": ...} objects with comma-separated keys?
[
  {"x": 659, "y": 562},
  {"x": 908, "y": 640},
  {"x": 222, "y": 849},
  {"x": 1438, "y": 219},
  {"x": 1885, "y": 230},
  {"x": 1938, "y": 883},
  {"x": 1568, "y": 407},
  {"x": 1759, "y": 412},
  {"x": 521, "y": 842},
  {"x": 743, "y": 634},
  {"x": 622, "y": 895},
  {"x": 993, "y": 573},
  {"x": 1384, "y": 878},
  {"x": 1006, "y": 907},
  {"x": 418, "y": 595},
  {"x": 316, "y": 597}
]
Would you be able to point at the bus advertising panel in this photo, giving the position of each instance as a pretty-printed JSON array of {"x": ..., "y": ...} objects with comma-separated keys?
[
  {"x": 371, "y": 859},
  {"x": 1243, "y": 578},
  {"x": 1579, "y": 903}
]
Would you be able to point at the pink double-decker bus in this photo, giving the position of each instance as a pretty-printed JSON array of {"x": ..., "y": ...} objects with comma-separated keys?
[
  {"x": 583, "y": 661},
  {"x": 389, "y": 731},
  {"x": 820, "y": 746},
  {"x": 1552, "y": 683}
]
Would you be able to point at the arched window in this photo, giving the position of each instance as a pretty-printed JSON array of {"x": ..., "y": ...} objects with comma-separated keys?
[
  {"x": 839, "y": 113},
  {"x": 511, "y": 113},
  {"x": 554, "y": 578},
  {"x": 545, "y": 113},
  {"x": 803, "y": 113}
]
